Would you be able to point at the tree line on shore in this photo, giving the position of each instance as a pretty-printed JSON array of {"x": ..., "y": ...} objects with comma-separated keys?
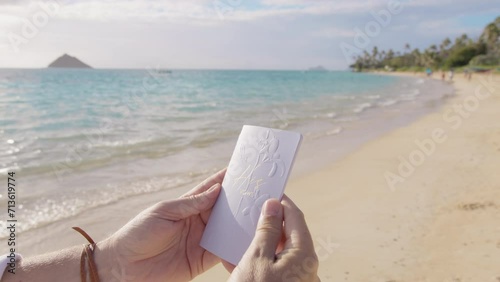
[{"x": 463, "y": 51}]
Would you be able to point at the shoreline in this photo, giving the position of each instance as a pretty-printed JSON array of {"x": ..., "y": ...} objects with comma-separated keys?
[
  {"x": 331, "y": 126},
  {"x": 364, "y": 230},
  {"x": 438, "y": 225}
]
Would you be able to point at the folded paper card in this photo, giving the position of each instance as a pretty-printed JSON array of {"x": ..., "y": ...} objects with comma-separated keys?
[{"x": 258, "y": 171}]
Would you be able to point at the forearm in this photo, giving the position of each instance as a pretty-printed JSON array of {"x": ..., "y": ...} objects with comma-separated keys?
[
  {"x": 58, "y": 266},
  {"x": 62, "y": 265}
]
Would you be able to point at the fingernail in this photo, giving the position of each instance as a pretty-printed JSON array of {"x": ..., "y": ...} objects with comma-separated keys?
[{"x": 271, "y": 207}]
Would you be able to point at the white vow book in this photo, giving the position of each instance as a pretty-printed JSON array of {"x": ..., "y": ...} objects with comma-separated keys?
[{"x": 258, "y": 170}]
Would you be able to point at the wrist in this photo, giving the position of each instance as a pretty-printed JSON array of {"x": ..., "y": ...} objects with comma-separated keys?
[{"x": 104, "y": 260}]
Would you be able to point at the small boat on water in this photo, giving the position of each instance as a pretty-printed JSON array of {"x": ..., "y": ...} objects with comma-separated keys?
[{"x": 164, "y": 71}]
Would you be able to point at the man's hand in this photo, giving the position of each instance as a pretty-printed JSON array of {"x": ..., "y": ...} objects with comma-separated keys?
[
  {"x": 163, "y": 242},
  {"x": 282, "y": 249}
]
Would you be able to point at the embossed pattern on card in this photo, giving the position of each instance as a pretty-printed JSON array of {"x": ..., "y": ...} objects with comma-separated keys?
[{"x": 258, "y": 170}]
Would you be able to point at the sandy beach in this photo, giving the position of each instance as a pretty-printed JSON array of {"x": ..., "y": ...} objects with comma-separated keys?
[
  {"x": 418, "y": 204},
  {"x": 439, "y": 224}
]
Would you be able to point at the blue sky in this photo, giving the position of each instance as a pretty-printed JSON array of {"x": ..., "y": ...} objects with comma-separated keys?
[{"x": 227, "y": 34}]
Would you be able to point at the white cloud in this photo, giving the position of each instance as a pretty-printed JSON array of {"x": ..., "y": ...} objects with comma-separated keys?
[
  {"x": 333, "y": 32},
  {"x": 399, "y": 27},
  {"x": 445, "y": 27},
  {"x": 277, "y": 8},
  {"x": 192, "y": 10},
  {"x": 434, "y": 24},
  {"x": 115, "y": 9},
  {"x": 339, "y": 4},
  {"x": 189, "y": 33},
  {"x": 288, "y": 2}
]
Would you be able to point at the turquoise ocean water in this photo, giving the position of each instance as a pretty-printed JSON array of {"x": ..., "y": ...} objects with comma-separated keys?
[{"x": 84, "y": 138}]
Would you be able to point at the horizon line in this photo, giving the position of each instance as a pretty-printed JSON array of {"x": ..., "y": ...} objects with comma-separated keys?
[{"x": 170, "y": 69}]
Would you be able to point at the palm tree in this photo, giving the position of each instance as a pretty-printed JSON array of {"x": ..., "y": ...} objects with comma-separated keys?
[
  {"x": 461, "y": 41},
  {"x": 366, "y": 59},
  {"x": 415, "y": 54},
  {"x": 447, "y": 42},
  {"x": 407, "y": 48},
  {"x": 444, "y": 45},
  {"x": 374, "y": 56},
  {"x": 490, "y": 36},
  {"x": 443, "y": 48},
  {"x": 381, "y": 56}
]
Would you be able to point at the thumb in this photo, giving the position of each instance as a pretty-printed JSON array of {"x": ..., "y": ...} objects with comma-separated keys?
[
  {"x": 190, "y": 205},
  {"x": 269, "y": 230}
]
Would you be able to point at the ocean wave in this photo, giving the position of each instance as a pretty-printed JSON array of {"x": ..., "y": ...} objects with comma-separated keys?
[
  {"x": 85, "y": 155},
  {"x": 410, "y": 96},
  {"x": 334, "y": 131},
  {"x": 44, "y": 210},
  {"x": 322, "y": 134},
  {"x": 344, "y": 97},
  {"x": 331, "y": 115},
  {"x": 347, "y": 119},
  {"x": 373, "y": 97},
  {"x": 362, "y": 107},
  {"x": 387, "y": 103}
]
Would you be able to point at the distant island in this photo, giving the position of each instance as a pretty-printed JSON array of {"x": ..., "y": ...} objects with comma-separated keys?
[
  {"x": 67, "y": 61},
  {"x": 318, "y": 68}
]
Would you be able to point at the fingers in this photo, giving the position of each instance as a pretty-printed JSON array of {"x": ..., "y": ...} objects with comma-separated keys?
[
  {"x": 269, "y": 230},
  {"x": 297, "y": 261},
  {"x": 296, "y": 232},
  {"x": 197, "y": 200},
  {"x": 188, "y": 205},
  {"x": 207, "y": 183}
]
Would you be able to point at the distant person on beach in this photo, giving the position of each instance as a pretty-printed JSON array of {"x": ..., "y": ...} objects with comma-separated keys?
[
  {"x": 162, "y": 243},
  {"x": 442, "y": 75},
  {"x": 450, "y": 75},
  {"x": 429, "y": 72},
  {"x": 468, "y": 74}
]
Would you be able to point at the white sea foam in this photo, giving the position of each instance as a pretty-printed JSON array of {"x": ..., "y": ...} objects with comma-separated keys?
[
  {"x": 347, "y": 118},
  {"x": 361, "y": 107},
  {"x": 411, "y": 95},
  {"x": 44, "y": 210},
  {"x": 334, "y": 131},
  {"x": 339, "y": 97},
  {"x": 387, "y": 103},
  {"x": 331, "y": 115}
]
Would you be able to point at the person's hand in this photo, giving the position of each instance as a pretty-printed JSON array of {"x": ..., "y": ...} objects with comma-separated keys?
[
  {"x": 282, "y": 249},
  {"x": 163, "y": 242}
]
